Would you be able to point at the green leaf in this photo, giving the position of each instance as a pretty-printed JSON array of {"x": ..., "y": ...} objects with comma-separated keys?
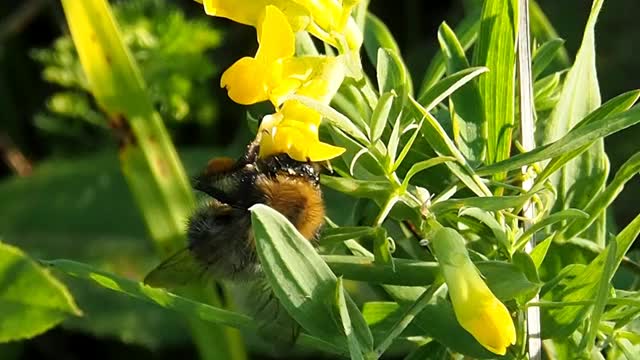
[
  {"x": 543, "y": 56},
  {"x": 380, "y": 115},
  {"x": 543, "y": 31},
  {"x": 92, "y": 188},
  {"x": 381, "y": 316},
  {"x": 546, "y": 221},
  {"x": 423, "y": 165},
  {"x": 490, "y": 221},
  {"x": 391, "y": 73},
  {"x": 507, "y": 281},
  {"x": 392, "y": 145},
  {"x": 572, "y": 141},
  {"x": 540, "y": 251},
  {"x": 408, "y": 316},
  {"x": 343, "y": 233},
  {"x": 444, "y": 146},
  {"x": 584, "y": 176},
  {"x": 363, "y": 268},
  {"x": 584, "y": 286},
  {"x": 379, "y": 190},
  {"x": 407, "y": 146},
  {"x": 546, "y": 92},
  {"x": 175, "y": 302},
  {"x": 377, "y": 36},
  {"x": 467, "y": 115},
  {"x": 356, "y": 349},
  {"x": 612, "y": 107},
  {"x": 487, "y": 203},
  {"x": 298, "y": 276},
  {"x": 599, "y": 204},
  {"x": 358, "y": 160},
  {"x": 149, "y": 160},
  {"x": 382, "y": 246},
  {"x": 468, "y": 33},
  {"x": 447, "y": 86},
  {"x": 393, "y": 76},
  {"x": 602, "y": 296},
  {"x": 496, "y": 50},
  {"x": 31, "y": 300}
]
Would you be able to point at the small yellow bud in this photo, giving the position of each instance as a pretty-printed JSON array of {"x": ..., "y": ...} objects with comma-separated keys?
[{"x": 478, "y": 311}]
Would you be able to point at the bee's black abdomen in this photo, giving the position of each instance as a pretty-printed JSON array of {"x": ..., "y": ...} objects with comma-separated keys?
[{"x": 220, "y": 239}]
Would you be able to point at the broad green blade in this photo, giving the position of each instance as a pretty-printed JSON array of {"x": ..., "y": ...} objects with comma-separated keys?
[
  {"x": 584, "y": 177},
  {"x": 31, "y": 300},
  {"x": 148, "y": 159},
  {"x": 175, "y": 302},
  {"x": 496, "y": 50},
  {"x": 302, "y": 281}
]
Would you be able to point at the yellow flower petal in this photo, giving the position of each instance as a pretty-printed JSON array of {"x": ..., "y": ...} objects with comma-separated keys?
[
  {"x": 490, "y": 323},
  {"x": 245, "y": 82},
  {"x": 275, "y": 36},
  {"x": 320, "y": 151},
  {"x": 295, "y": 110},
  {"x": 294, "y": 131},
  {"x": 250, "y": 12}
]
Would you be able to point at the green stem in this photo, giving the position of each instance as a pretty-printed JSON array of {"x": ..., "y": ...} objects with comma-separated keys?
[{"x": 408, "y": 317}]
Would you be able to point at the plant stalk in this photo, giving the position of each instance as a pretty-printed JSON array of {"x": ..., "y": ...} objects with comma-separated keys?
[{"x": 527, "y": 139}]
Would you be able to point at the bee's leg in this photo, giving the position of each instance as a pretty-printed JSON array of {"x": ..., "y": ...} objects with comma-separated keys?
[{"x": 250, "y": 156}]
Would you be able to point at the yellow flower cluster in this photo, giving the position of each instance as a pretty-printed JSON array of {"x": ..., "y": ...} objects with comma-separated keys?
[{"x": 275, "y": 73}]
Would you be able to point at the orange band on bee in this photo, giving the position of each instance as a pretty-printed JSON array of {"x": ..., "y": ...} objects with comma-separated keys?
[{"x": 219, "y": 165}]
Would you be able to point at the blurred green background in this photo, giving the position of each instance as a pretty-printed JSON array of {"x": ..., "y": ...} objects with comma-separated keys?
[{"x": 61, "y": 193}]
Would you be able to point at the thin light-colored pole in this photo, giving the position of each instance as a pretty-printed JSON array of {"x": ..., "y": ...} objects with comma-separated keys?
[{"x": 527, "y": 140}]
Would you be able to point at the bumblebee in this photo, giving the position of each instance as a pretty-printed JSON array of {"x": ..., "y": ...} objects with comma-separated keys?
[{"x": 221, "y": 244}]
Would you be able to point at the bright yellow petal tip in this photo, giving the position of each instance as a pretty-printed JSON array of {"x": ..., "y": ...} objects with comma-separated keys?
[{"x": 294, "y": 131}]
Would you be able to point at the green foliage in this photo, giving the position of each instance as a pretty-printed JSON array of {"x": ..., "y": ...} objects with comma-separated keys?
[
  {"x": 31, "y": 300},
  {"x": 444, "y": 157},
  {"x": 172, "y": 52}
]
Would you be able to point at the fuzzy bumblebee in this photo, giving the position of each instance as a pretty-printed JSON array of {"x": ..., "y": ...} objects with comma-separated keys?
[{"x": 221, "y": 244}]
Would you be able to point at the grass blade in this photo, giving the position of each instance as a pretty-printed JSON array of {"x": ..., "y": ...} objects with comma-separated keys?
[
  {"x": 496, "y": 50},
  {"x": 576, "y": 138},
  {"x": 586, "y": 174},
  {"x": 467, "y": 116},
  {"x": 174, "y": 302}
]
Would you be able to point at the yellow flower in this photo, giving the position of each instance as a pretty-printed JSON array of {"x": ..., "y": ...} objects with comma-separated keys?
[
  {"x": 294, "y": 130},
  {"x": 321, "y": 18},
  {"x": 478, "y": 311},
  {"x": 274, "y": 73}
]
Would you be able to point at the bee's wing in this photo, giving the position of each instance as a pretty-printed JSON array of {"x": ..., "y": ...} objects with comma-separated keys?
[{"x": 178, "y": 270}]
